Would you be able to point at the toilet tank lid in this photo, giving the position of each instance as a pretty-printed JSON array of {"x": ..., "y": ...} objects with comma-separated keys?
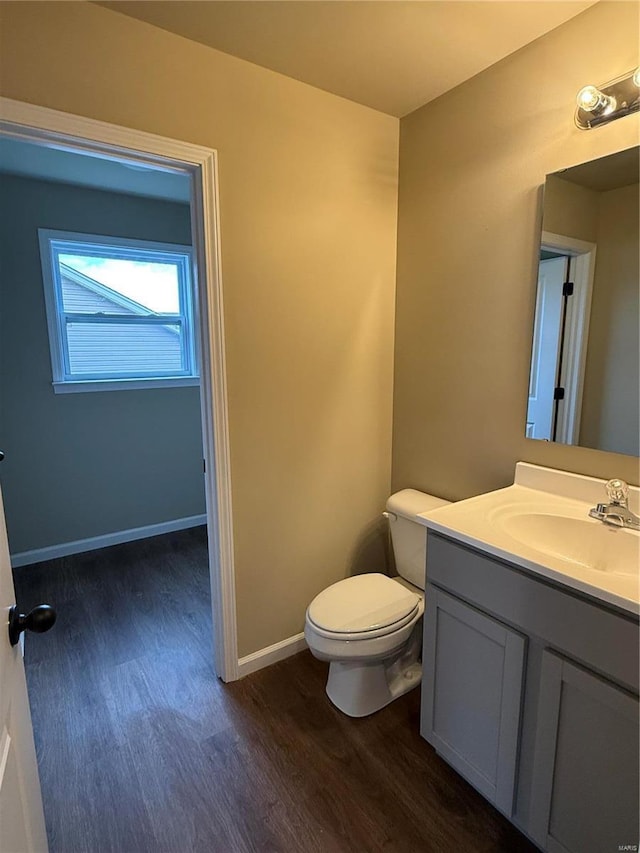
[{"x": 409, "y": 502}]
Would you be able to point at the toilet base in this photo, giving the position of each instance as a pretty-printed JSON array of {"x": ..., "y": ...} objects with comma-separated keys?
[{"x": 358, "y": 688}]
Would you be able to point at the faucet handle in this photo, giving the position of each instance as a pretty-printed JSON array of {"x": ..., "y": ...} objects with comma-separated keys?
[{"x": 617, "y": 492}]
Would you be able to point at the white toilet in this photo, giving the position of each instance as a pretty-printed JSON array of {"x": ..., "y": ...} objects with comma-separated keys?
[{"x": 370, "y": 626}]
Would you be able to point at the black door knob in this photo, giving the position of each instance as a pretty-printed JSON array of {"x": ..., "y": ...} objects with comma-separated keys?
[{"x": 38, "y": 620}]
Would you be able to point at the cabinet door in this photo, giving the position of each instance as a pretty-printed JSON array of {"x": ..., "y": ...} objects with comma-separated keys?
[
  {"x": 471, "y": 694},
  {"x": 585, "y": 776}
]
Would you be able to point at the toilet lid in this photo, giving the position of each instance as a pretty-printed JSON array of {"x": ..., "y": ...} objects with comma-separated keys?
[{"x": 362, "y": 603}]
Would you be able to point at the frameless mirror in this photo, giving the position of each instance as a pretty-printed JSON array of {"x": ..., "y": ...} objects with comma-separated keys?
[{"x": 584, "y": 380}]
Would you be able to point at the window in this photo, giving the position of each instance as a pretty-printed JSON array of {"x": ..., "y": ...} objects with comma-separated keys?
[{"x": 120, "y": 312}]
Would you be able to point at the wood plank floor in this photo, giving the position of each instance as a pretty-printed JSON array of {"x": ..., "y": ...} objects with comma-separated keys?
[{"x": 142, "y": 749}]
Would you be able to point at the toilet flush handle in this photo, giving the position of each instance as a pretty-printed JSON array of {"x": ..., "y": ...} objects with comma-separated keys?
[{"x": 390, "y": 515}]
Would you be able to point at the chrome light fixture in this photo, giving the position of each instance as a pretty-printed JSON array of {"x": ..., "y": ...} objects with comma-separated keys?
[{"x": 599, "y": 105}]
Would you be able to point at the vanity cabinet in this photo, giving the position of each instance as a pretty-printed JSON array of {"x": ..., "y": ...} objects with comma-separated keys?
[
  {"x": 472, "y": 716},
  {"x": 530, "y": 691},
  {"x": 586, "y": 762}
]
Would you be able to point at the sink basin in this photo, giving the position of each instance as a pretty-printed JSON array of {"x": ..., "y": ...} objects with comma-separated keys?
[
  {"x": 541, "y": 523},
  {"x": 584, "y": 541}
]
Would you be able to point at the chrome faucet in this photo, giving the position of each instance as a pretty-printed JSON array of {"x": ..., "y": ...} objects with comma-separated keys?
[{"x": 616, "y": 512}]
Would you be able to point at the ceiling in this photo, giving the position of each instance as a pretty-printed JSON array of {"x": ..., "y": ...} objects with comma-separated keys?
[
  {"x": 620, "y": 169},
  {"x": 392, "y": 55},
  {"x": 89, "y": 170}
]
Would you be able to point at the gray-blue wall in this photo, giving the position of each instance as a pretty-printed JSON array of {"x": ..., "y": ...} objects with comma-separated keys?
[{"x": 84, "y": 464}]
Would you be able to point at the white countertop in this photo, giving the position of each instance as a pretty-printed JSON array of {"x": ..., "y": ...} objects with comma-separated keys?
[{"x": 492, "y": 523}]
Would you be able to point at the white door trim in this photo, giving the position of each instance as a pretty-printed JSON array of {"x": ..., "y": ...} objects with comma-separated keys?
[
  {"x": 583, "y": 256},
  {"x": 76, "y": 133}
]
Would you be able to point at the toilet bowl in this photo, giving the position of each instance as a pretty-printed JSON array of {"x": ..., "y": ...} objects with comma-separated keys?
[{"x": 369, "y": 627}]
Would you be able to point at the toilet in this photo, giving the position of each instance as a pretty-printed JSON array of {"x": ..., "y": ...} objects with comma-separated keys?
[{"x": 369, "y": 627}]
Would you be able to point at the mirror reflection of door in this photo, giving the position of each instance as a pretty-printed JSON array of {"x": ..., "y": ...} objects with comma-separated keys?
[
  {"x": 590, "y": 209},
  {"x": 541, "y": 411}
]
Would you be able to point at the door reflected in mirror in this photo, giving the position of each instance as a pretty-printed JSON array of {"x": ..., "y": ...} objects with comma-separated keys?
[{"x": 584, "y": 383}]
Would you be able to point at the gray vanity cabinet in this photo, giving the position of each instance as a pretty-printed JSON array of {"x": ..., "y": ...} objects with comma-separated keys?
[
  {"x": 472, "y": 715},
  {"x": 530, "y": 691},
  {"x": 586, "y": 762}
]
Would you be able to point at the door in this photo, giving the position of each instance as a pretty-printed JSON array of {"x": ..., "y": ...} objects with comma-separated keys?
[
  {"x": 546, "y": 348},
  {"x": 21, "y": 817},
  {"x": 473, "y": 670},
  {"x": 585, "y": 776}
]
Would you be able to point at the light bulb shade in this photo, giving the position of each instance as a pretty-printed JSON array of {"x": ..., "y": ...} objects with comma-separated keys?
[
  {"x": 592, "y": 100},
  {"x": 636, "y": 77},
  {"x": 588, "y": 98}
]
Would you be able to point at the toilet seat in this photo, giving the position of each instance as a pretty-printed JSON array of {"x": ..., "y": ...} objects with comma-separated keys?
[{"x": 362, "y": 608}]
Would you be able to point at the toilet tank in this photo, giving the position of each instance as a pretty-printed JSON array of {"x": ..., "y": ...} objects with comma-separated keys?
[{"x": 409, "y": 536}]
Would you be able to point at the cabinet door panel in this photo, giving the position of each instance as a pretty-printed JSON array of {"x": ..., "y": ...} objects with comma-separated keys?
[
  {"x": 585, "y": 781},
  {"x": 471, "y": 694}
]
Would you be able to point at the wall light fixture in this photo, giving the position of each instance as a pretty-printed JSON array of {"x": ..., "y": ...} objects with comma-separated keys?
[{"x": 599, "y": 105}]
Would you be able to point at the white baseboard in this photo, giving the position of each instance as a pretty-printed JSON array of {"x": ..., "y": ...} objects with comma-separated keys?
[
  {"x": 271, "y": 654},
  {"x": 65, "y": 549}
]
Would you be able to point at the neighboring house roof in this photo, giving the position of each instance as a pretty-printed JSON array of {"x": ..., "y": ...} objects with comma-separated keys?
[{"x": 102, "y": 290}]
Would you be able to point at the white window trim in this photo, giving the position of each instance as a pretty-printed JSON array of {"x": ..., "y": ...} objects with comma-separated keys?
[{"x": 63, "y": 381}]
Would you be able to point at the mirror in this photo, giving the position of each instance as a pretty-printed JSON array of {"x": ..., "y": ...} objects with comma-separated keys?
[{"x": 584, "y": 380}]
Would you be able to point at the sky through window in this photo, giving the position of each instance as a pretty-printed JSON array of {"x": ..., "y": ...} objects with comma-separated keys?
[{"x": 154, "y": 285}]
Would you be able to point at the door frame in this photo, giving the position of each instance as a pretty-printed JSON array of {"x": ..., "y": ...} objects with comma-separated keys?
[
  {"x": 583, "y": 262},
  {"x": 55, "y": 129}
]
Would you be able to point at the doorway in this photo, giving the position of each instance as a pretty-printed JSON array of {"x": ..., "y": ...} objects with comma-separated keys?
[
  {"x": 108, "y": 146},
  {"x": 561, "y": 332},
  {"x": 50, "y": 129}
]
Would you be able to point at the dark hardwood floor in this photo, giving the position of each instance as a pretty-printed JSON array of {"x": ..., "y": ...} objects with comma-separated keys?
[{"x": 142, "y": 749}]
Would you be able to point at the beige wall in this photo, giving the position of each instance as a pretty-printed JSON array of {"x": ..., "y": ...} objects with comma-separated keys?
[
  {"x": 611, "y": 385},
  {"x": 308, "y": 190},
  {"x": 471, "y": 167},
  {"x": 570, "y": 210}
]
